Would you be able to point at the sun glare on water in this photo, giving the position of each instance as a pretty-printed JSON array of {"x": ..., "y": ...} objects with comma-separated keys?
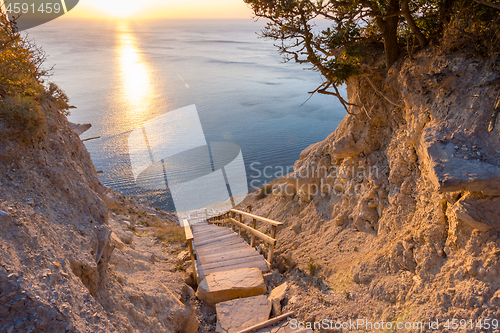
[{"x": 136, "y": 83}]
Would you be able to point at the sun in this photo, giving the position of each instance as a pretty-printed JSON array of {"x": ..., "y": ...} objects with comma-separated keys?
[{"x": 117, "y": 8}]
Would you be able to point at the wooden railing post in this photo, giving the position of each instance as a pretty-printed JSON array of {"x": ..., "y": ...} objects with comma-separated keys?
[
  {"x": 229, "y": 219},
  {"x": 254, "y": 225},
  {"x": 241, "y": 221},
  {"x": 271, "y": 250},
  {"x": 189, "y": 239}
]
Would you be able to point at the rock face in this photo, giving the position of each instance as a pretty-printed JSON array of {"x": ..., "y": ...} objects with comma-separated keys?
[
  {"x": 223, "y": 286},
  {"x": 237, "y": 314},
  {"x": 399, "y": 205},
  {"x": 56, "y": 244}
]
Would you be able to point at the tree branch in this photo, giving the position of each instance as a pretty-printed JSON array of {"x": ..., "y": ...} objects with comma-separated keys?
[
  {"x": 411, "y": 23},
  {"x": 489, "y": 4},
  {"x": 380, "y": 92}
]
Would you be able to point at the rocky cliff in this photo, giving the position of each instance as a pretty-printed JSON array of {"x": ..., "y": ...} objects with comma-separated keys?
[
  {"x": 61, "y": 268},
  {"x": 395, "y": 216}
]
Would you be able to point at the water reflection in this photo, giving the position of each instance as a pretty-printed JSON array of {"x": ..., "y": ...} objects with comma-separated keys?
[{"x": 135, "y": 77}]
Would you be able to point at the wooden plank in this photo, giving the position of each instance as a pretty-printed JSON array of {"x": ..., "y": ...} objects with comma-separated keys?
[
  {"x": 211, "y": 235},
  {"x": 232, "y": 262},
  {"x": 200, "y": 223},
  {"x": 203, "y": 241},
  {"x": 264, "y": 237},
  {"x": 209, "y": 230},
  {"x": 267, "y": 323},
  {"x": 230, "y": 246},
  {"x": 213, "y": 240},
  {"x": 204, "y": 226},
  {"x": 260, "y": 264},
  {"x": 216, "y": 247},
  {"x": 258, "y": 218},
  {"x": 219, "y": 242},
  {"x": 205, "y": 259}
]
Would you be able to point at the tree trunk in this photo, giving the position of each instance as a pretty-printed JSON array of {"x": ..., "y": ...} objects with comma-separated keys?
[
  {"x": 391, "y": 45},
  {"x": 411, "y": 23},
  {"x": 389, "y": 28}
]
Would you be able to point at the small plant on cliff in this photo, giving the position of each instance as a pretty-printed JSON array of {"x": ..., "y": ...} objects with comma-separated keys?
[
  {"x": 358, "y": 31},
  {"x": 312, "y": 267}
]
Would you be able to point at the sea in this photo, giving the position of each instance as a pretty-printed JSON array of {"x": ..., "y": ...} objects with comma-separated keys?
[{"x": 122, "y": 74}]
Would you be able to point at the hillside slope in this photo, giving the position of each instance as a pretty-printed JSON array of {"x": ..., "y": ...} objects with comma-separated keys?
[
  {"x": 395, "y": 216},
  {"x": 60, "y": 269}
]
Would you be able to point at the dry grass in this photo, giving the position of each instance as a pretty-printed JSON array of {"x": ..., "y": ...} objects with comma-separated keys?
[{"x": 169, "y": 234}]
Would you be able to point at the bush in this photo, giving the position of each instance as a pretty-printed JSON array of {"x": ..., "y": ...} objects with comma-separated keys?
[
  {"x": 21, "y": 83},
  {"x": 23, "y": 113}
]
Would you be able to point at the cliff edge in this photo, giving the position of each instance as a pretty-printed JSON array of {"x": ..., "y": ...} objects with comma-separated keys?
[
  {"x": 62, "y": 268},
  {"x": 395, "y": 216}
]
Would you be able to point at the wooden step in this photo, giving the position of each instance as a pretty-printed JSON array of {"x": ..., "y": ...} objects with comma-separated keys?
[
  {"x": 213, "y": 240},
  {"x": 229, "y": 245},
  {"x": 260, "y": 264},
  {"x": 232, "y": 261},
  {"x": 227, "y": 255}
]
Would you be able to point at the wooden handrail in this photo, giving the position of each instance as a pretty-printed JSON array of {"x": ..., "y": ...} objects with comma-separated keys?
[
  {"x": 264, "y": 237},
  {"x": 230, "y": 217},
  {"x": 258, "y": 218},
  {"x": 189, "y": 239},
  {"x": 187, "y": 231}
]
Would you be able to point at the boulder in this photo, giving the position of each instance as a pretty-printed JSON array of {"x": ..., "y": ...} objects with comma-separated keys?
[
  {"x": 277, "y": 295},
  {"x": 224, "y": 286},
  {"x": 124, "y": 235},
  {"x": 237, "y": 314},
  {"x": 347, "y": 146},
  {"x": 482, "y": 214},
  {"x": 109, "y": 199},
  {"x": 287, "y": 190},
  {"x": 80, "y": 128},
  {"x": 116, "y": 241},
  {"x": 451, "y": 172},
  {"x": 183, "y": 256}
]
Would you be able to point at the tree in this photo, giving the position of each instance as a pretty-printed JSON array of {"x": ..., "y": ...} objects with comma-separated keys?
[{"x": 356, "y": 32}]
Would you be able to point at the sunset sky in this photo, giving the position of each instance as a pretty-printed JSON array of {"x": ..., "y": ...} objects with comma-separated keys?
[{"x": 144, "y": 9}]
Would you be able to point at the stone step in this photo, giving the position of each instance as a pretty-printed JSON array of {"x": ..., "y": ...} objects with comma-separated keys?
[
  {"x": 223, "y": 286},
  {"x": 238, "y": 314}
]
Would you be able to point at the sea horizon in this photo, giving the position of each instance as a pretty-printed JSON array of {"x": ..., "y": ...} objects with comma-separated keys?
[{"x": 121, "y": 74}]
